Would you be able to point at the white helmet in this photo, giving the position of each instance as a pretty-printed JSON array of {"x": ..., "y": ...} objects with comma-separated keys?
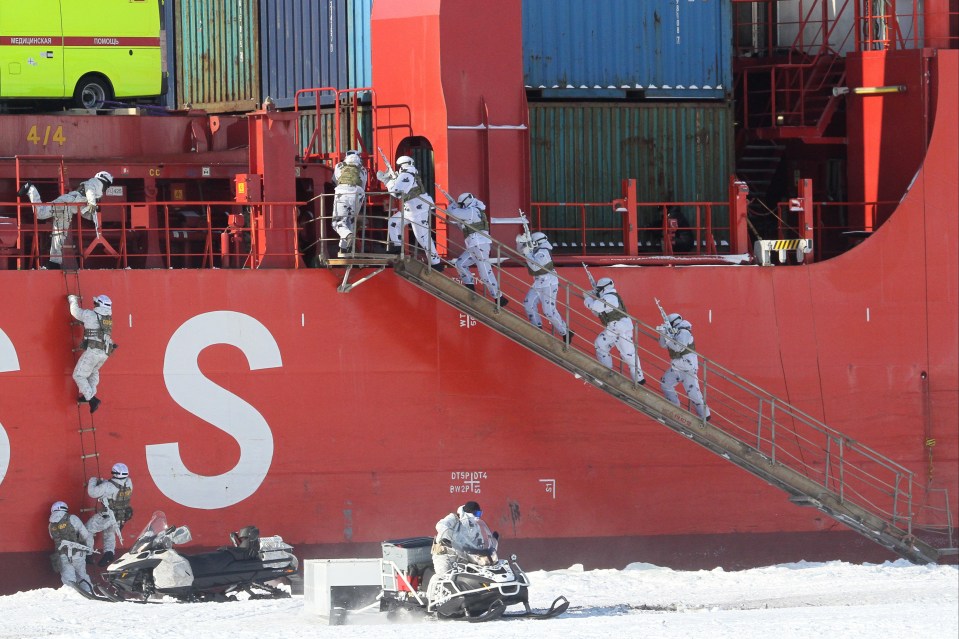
[
  {"x": 465, "y": 199},
  {"x": 102, "y": 305},
  {"x": 604, "y": 283},
  {"x": 353, "y": 157},
  {"x": 104, "y": 177},
  {"x": 541, "y": 241},
  {"x": 58, "y": 505},
  {"x": 120, "y": 470},
  {"x": 403, "y": 160},
  {"x": 674, "y": 319}
]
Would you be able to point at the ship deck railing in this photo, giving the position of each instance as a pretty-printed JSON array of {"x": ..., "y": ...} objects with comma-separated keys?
[{"x": 228, "y": 234}]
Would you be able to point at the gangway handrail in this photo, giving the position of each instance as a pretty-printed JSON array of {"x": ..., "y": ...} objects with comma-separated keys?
[{"x": 816, "y": 464}]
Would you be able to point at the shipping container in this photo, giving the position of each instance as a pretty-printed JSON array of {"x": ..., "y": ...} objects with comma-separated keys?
[
  {"x": 303, "y": 44},
  {"x": 217, "y": 55},
  {"x": 581, "y": 152},
  {"x": 359, "y": 57},
  {"x": 675, "y": 49}
]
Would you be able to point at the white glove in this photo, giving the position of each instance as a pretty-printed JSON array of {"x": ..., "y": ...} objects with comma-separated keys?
[
  {"x": 385, "y": 176},
  {"x": 73, "y": 298}
]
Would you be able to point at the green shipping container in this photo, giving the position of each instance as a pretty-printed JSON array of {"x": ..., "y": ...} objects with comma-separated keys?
[
  {"x": 217, "y": 55},
  {"x": 581, "y": 153}
]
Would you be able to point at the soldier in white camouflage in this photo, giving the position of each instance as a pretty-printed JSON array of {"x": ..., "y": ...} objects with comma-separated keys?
[
  {"x": 72, "y": 543},
  {"x": 64, "y": 208},
  {"x": 542, "y": 294},
  {"x": 676, "y": 336},
  {"x": 98, "y": 344},
  {"x": 617, "y": 331},
  {"x": 113, "y": 496},
  {"x": 468, "y": 212},
  {"x": 417, "y": 204},
  {"x": 350, "y": 194}
]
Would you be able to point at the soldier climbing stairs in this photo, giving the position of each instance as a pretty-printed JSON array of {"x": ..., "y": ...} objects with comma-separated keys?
[{"x": 813, "y": 464}]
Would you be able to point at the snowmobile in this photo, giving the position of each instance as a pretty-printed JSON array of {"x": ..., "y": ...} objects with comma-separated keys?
[
  {"x": 479, "y": 586},
  {"x": 152, "y": 567}
]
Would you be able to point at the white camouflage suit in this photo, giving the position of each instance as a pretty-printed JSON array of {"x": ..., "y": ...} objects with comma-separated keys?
[
  {"x": 542, "y": 294},
  {"x": 472, "y": 220},
  {"x": 350, "y": 194},
  {"x": 106, "y": 491},
  {"x": 684, "y": 366},
  {"x": 406, "y": 186},
  {"x": 618, "y": 330},
  {"x": 97, "y": 327},
  {"x": 73, "y": 568},
  {"x": 89, "y": 191},
  {"x": 442, "y": 555}
]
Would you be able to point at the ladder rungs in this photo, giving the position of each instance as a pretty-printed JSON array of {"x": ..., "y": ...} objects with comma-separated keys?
[
  {"x": 89, "y": 455},
  {"x": 92, "y": 429}
]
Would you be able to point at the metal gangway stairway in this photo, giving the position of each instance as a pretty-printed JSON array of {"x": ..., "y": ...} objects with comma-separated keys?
[{"x": 813, "y": 464}]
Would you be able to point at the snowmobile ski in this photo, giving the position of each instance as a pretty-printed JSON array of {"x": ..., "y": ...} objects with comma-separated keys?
[
  {"x": 93, "y": 596},
  {"x": 494, "y": 612},
  {"x": 558, "y": 607}
]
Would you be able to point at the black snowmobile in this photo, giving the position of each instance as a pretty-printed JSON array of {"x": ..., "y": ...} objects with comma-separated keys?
[
  {"x": 479, "y": 587},
  {"x": 152, "y": 567}
]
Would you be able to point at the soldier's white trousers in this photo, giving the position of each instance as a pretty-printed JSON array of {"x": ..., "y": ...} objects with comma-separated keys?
[
  {"x": 543, "y": 294},
  {"x": 620, "y": 335},
  {"x": 417, "y": 213},
  {"x": 107, "y": 525},
  {"x": 477, "y": 252},
  {"x": 87, "y": 371}
]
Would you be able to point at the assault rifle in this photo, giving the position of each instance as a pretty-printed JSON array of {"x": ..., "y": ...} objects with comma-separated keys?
[
  {"x": 666, "y": 323},
  {"x": 592, "y": 282},
  {"x": 446, "y": 194},
  {"x": 74, "y": 547},
  {"x": 389, "y": 173}
]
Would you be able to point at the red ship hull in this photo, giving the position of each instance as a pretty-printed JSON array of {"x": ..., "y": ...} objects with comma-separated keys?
[
  {"x": 341, "y": 420},
  {"x": 338, "y": 420}
]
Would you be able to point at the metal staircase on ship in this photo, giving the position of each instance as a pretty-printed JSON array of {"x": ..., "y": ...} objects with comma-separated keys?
[{"x": 813, "y": 464}]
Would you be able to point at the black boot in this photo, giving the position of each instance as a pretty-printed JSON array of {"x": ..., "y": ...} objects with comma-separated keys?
[
  {"x": 471, "y": 287},
  {"x": 568, "y": 337},
  {"x": 52, "y": 266},
  {"x": 501, "y": 301},
  {"x": 94, "y": 404},
  {"x": 105, "y": 559},
  {"x": 81, "y": 399},
  {"x": 438, "y": 267}
]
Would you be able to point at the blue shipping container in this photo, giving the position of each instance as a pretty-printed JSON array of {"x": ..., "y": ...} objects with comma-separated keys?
[
  {"x": 358, "y": 36},
  {"x": 303, "y": 44},
  {"x": 673, "y": 49}
]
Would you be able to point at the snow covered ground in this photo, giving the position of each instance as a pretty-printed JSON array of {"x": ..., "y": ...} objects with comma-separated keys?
[{"x": 793, "y": 600}]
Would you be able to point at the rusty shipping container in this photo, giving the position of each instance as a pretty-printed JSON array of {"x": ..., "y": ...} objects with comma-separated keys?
[
  {"x": 217, "y": 55},
  {"x": 673, "y": 49},
  {"x": 581, "y": 152}
]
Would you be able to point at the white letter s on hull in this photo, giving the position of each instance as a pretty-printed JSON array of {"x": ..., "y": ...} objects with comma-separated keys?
[
  {"x": 190, "y": 389},
  {"x": 8, "y": 362}
]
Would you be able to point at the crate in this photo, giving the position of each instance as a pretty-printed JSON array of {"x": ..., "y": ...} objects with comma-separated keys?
[{"x": 406, "y": 553}]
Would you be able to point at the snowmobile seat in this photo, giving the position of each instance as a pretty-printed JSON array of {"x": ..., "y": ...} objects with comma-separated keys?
[
  {"x": 212, "y": 563},
  {"x": 246, "y": 542}
]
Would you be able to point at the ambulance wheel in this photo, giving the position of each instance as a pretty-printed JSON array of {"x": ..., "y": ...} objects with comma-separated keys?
[{"x": 92, "y": 92}]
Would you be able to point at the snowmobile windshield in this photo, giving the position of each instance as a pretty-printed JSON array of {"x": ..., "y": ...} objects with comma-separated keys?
[
  {"x": 471, "y": 537},
  {"x": 155, "y": 526}
]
